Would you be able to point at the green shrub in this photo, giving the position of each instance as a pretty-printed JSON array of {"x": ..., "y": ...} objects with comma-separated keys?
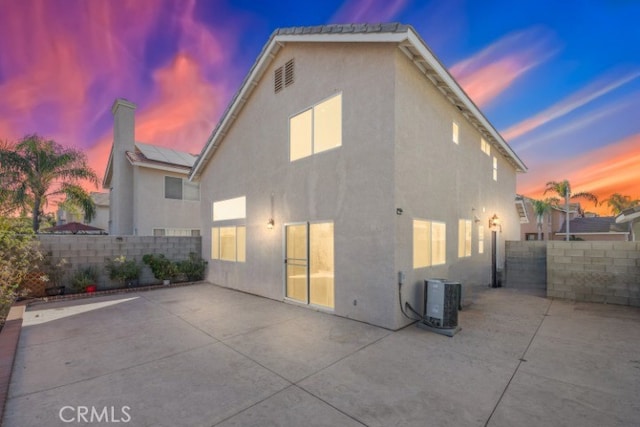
[
  {"x": 84, "y": 277},
  {"x": 123, "y": 270},
  {"x": 193, "y": 268},
  {"x": 161, "y": 267}
]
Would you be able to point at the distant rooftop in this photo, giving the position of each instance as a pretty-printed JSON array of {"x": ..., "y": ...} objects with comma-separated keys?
[{"x": 598, "y": 224}]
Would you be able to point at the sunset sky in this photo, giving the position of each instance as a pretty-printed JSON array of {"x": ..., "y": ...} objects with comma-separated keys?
[{"x": 559, "y": 79}]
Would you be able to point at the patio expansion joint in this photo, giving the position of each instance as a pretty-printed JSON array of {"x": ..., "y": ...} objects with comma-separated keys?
[
  {"x": 297, "y": 383},
  {"x": 520, "y": 361},
  {"x": 126, "y": 368}
]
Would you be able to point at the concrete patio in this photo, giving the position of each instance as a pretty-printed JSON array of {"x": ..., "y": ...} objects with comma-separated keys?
[{"x": 207, "y": 356}]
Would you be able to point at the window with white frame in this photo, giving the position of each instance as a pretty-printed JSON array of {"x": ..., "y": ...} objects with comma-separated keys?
[
  {"x": 228, "y": 240},
  {"x": 495, "y": 168},
  {"x": 429, "y": 243},
  {"x": 480, "y": 239},
  {"x": 485, "y": 147},
  {"x": 464, "y": 238},
  {"x": 455, "y": 132},
  {"x": 316, "y": 129},
  {"x": 180, "y": 189}
]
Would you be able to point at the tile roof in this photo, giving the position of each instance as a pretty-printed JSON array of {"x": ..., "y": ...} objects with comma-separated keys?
[
  {"x": 599, "y": 224},
  {"x": 393, "y": 27}
]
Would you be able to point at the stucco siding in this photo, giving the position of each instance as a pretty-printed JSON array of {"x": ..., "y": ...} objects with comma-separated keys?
[
  {"x": 351, "y": 185},
  {"x": 439, "y": 180},
  {"x": 152, "y": 210}
]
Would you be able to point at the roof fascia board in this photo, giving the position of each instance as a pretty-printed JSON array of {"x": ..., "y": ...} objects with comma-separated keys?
[
  {"x": 160, "y": 167},
  {"x": 343, "y": 37},
  {"x": 433, "y": 62}
]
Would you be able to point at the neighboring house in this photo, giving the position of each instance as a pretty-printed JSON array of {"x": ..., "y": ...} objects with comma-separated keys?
[
  {"x": 149, "y": 191},
  {"x": 350, "y": 160},
  {"x": 594, "y": 228},
  {"x": 630, "y": 219},
  {"x": 101, "y": 218},
  {"x": 551, "y": 221}
]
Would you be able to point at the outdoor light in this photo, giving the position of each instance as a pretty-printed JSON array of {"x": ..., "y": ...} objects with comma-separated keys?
[
  {"x": 271, "y": 223},
  {"x": 494, "y": 221}
]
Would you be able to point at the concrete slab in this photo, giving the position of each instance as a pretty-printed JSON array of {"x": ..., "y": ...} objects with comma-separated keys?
[
  {"x": 200, "y": 387},
  {"x": 207, "y": 356},
  {"x": 291, "y": 407},
  {"x": 401, "y": 380},
  {"x": 304, "y": 345}
]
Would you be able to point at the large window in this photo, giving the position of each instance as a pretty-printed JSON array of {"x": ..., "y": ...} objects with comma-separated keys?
[
  {"x": 228, "y": 243},
  {"x": 180, "y": 189},
  {"x": 230, "y": 209},
  {"x": 316, "y": 129},
  {"x": 429, "y": 243},
  {"x": 464, "y": 238}
]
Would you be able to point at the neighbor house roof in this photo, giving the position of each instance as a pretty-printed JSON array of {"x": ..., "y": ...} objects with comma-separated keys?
[
  {"x": 408, "y": 41},
  {"x": 628, "y": 215},
  {"x": 155, "y": 157},
  {"x": 593, "y": 225}
]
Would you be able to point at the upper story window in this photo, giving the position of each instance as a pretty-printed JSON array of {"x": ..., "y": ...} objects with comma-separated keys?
[
  {"x": 455, "y": 132},
  {"x": 495, "y": 168},
  {"x": 180, "y": 189},
  {"x": 316, "y": 129},
  {"x": 464, "y": 238},
  {"x": 485, "y": 147}
]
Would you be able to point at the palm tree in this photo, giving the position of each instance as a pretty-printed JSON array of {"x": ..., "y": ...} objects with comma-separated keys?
[
  {"x": 36, "y": 169},
  {"x": 563, "y": 189},
  {"x": 541, "y": 207},
  {"x": 617, "y": 202}
]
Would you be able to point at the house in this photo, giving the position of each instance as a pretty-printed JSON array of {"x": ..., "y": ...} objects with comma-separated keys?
[
  {"x": 594, "y": 228},
  {"x": 150, "y": 194},
  {"x": 631, "y": 219},
  {"x": 350, "y": 160},
  {"x": 100, "y": 219},
  {"x": 551, "y": 222}
]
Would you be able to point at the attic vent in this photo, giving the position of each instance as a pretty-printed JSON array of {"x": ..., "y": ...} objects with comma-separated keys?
[
  {"x": 277, "y": 82},
  {"x": 288, "y": 73}
]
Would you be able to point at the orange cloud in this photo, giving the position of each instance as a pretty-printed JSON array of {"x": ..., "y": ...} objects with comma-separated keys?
[
  {"x": 603, "y": 171},
  {"x": 487, "y": 74}
]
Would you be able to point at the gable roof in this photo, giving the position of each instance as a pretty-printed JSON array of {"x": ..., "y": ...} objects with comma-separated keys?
[
  {"x": 598, "y": 224},
  {"x": 408, "y": 41},
  {"x": 154, "y": 157}
]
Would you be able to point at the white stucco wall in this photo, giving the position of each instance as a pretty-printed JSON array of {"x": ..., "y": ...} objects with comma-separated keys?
[
  {"x": 121, "y": 190},
  {"x": 439, "y": 180},
  {"x": 152, "y": 210},
  {"x": 396, "y": 153}
]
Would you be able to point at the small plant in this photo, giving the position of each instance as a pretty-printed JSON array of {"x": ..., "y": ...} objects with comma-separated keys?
[
  {"x": 193, "y": 268},
  {"x": 161, "y": 267},
  {"x": 54, "y": 275},
  {"x": 123, "y": 270},
  {"x": 84, "y": 277}
]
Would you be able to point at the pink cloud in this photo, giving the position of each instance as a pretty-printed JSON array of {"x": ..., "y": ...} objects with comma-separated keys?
[
  {"x": 487, "y": 74},
  {"x": 368, "y": 11},
  {"x": 594, "y": 90}
]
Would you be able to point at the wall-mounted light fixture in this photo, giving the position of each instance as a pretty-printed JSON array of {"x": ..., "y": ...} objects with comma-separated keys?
[
  {"x": 494, "y": 222},
  {"x": 271, "y": 223}
]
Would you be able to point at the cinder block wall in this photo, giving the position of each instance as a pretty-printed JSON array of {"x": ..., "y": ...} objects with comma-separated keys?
[
  {"x": 605, "y": 272},
  {"x": 526, "y": 264},
  {"x": 82, "y": 251}
]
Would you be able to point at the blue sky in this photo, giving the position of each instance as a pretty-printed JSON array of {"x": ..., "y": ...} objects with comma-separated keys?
[{"x": 559, "y": 79}]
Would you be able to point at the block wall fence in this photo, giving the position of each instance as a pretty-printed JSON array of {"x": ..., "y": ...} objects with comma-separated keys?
[
  {"x": 83, "y": 251},
  {"x": 604, "y": 272}
]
